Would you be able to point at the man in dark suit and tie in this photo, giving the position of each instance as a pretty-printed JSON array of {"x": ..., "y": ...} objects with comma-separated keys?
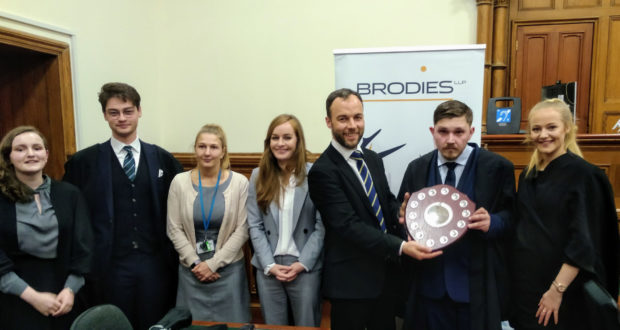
[
  {"x": 349, "y": 188},
  {"x": 125, "y": 182},
  {"x": 465, "y": 288}
]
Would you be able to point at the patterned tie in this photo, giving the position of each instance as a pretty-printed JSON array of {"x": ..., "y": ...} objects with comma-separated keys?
[
  {"x": 450, "y": 177},
  {"x": 369, "y": 187},
  {"x": 129, "y": 165}
]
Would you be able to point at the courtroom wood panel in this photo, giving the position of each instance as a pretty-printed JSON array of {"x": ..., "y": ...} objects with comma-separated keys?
[
  {"x": 546, "y": 53},
  {"x": 536, "y": 4},
  {"x": 599, "y": 149},
  {"x": 612, "y": 76},
  {"x": 603, "y": 102},
  {"x": 577, "y": 4}
]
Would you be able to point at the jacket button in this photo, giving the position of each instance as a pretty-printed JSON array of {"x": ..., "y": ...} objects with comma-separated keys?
[
  {"x": 305, "y": 230},
  {"x": 268, "y": 232}
]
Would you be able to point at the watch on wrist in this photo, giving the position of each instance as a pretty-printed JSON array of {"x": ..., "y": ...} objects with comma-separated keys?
[
  {"x": 559, "y": 286},
  {"x": 194, "y": 264}
]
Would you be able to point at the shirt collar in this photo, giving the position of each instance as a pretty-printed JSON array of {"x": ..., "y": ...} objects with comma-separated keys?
[
  {"x": 461, "y": 159},
  {"x": 45, "y": 186},
  {"x": 345, "y": 152},
  {"x": 117, "y": 145}
]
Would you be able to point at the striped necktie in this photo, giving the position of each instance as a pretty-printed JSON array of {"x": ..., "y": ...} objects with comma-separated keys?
[
  {"x": 129, "y": 164},
  {"x": 369, "y": 187}
]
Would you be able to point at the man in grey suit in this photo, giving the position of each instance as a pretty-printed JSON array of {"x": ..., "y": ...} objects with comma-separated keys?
[{"x": 286, "y": 230}]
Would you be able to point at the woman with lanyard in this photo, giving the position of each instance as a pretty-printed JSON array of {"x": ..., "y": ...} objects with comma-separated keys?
[
  {"x": 285, "y": 228},
  {"x": 207, "y": 223},
  {"x": 45, "y": 237}
]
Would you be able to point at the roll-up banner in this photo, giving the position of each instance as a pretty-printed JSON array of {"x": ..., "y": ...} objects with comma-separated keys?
[{"x": 401, "y": 87}]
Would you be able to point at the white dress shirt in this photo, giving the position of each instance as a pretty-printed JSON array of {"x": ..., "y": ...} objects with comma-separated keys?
[
  {"x": 120, "y": 153},
  {"x": 346, "y": 153},
  {"x": 286, "y": 244},
  {"x": 460, "y": 161}
]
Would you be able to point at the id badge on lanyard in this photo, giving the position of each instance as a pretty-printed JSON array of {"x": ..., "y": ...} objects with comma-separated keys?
[{"x": 207, "y": 245}]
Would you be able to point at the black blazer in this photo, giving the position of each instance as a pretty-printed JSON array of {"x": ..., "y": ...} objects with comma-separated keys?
[
  {"x": 488, "y": 276},
  {"x": 89, "y": 170},
  {"x": 356, "y": 250},
  {"x": 75, "y": 238}
]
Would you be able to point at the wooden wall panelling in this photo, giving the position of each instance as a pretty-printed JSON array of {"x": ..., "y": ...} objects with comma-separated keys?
[
  {"x": 609, "y": 77},
  {"x": 604, "y": 103},
  {"x": 550, "y": 51},
  {"x": 578, "y": 4},
  {"x": 602, "y": 150},
  {"x": 500, "y": 51},
  {"x": 484, "y": 35},
  {"x": 536, "y": 4}
]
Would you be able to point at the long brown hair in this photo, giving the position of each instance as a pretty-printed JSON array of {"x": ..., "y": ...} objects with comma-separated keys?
[
  {"x": 10, "y": 186},
  {"x": 269, "y": 182},
  {"x": 570, "y": 139}
]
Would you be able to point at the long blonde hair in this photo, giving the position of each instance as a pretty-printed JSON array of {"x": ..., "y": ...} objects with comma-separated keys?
[
  {"x": 269, "y": 182},
  {"x": 570, "y": 139}
]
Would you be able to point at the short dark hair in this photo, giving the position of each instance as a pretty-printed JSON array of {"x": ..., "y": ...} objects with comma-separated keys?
[
  {"x": 122, "y": 91},
  {"x": 343, "y": 93},
  {"x": 453, "y": 109}
]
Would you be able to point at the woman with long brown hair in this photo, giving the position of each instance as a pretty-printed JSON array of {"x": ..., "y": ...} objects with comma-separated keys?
[
  {"x": 285, "y": 228},
  {"x": 45, "y": 237}
]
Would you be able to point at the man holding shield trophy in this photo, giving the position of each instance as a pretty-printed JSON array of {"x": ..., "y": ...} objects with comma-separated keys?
[{"x": 465, "y": 288}]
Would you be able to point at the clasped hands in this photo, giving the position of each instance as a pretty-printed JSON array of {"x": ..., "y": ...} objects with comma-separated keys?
[
  {"x": 480, "y": 220},
  {"x": 204, "y": 274},
  {"x": 286, "y": 273},
  {"x": 48, "y": 303}
]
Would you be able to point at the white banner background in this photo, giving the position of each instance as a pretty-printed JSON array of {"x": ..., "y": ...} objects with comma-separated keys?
[{"x": 401, "y": 87}]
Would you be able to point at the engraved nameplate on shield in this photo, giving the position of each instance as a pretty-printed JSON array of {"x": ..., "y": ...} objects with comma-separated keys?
[{"x": 437, "y": 216}]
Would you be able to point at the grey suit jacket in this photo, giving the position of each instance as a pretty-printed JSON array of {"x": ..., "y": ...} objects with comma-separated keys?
[{"x": 308, "y": 232}]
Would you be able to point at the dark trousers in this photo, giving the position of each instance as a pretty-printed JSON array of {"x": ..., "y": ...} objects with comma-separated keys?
[
  {"x": 444, "y": 313},
  {"x": 140, "y": 285},
  {"x": 370, "y": 314}
]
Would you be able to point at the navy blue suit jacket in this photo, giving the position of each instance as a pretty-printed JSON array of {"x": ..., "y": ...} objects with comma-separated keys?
[
  {"x": 90, "y": 170},
  {"x": 356, "y": 250}
]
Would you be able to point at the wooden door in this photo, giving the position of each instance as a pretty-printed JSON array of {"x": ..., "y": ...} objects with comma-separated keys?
[
  {"x": 35, "y": 89},
  {"x": 546, "y": 53}
]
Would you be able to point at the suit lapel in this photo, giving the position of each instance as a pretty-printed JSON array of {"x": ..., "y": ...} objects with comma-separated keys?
[
  {"x": 298, "y": 201},
  {"x": 275, "y": 213},
  {"x": 347, "y": 172},
  {"x": 105, "y": 174}
]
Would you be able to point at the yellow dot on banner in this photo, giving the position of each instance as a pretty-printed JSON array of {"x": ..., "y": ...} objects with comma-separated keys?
[{"x": 423, "y": 68}]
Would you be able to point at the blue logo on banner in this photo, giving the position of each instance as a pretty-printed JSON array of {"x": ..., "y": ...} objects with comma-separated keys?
[{"x": 382, "y": 154}]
